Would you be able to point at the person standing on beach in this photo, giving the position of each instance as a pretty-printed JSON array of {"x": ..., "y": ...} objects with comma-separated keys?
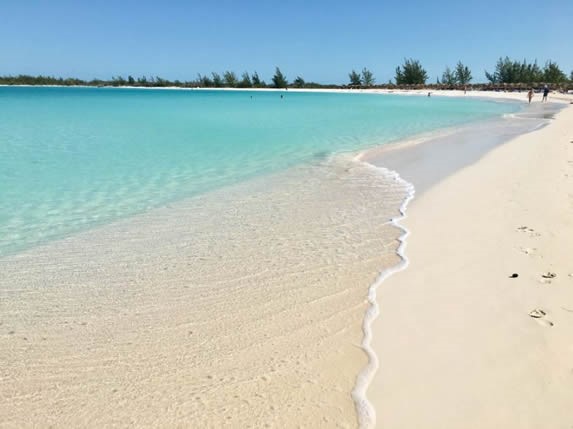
[
  {"x": 530, "y": 95},
  {"x": 545, "y": 93}
]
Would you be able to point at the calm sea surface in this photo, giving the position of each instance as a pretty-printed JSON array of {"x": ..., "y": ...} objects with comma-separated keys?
[{"x": 72, "y": 158}]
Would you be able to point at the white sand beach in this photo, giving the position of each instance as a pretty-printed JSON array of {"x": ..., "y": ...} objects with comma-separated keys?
[
  {"x": 172, "y": 318},
  {"x": 461, "y": 343}
]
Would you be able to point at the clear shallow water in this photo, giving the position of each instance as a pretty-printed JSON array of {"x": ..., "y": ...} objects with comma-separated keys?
[{"x": 71, "y": 158}]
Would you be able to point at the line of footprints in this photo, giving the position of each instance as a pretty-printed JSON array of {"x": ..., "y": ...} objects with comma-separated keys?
[{"x": 537, "y": 313}]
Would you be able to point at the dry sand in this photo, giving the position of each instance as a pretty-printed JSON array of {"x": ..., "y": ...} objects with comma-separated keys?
[{"x": 456, "y": 342}]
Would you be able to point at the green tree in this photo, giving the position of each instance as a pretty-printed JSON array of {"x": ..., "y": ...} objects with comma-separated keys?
[
  {"x": 204, "y": 81},
  {"x": 512, "y": 71},
  {"x": 298, "y": 82},
  {"x": 367, "y": 77},
  {"x": 552, "y": 73},
  {"x": 279, "y": 79},
  {"x": 503, "y": 71},
  {"x": 257, "y": 82},
  {"x": 230, "y": 79},
  {"x": 530, "y": 72},
  {"x": 448, "y": 77},
  {"x": 571, "y": 76},
  {"x": 115, "y": 81},
  {"x": 462, "y": 74},
  {"x": 217, "y": 80},
  {"x": 130, "y": 80},
  {"x": 245, "y": 81},
  {"x": 159, "y": 81},
  {"x": 354, "y": 78},
  {"x": 411, "y": 73}
]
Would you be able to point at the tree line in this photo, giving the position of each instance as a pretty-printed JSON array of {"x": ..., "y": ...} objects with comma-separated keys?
[
  {"x": 506, "y": 71},
  {"x": 227, "y": 79},
  {"x": 411, "y": 72}
]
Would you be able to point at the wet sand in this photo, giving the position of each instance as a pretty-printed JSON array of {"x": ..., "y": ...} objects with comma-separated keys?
[{"x": 240, "y": 308}]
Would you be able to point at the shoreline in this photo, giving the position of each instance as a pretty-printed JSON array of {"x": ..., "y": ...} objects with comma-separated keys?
[
  {"x": 425, "y": 261},
  {"x": 427, "y": 145},
  {"x": 426, "y": 159},
  {"x": 513, "y": 95},
  {"x": 365, "y": 410}
]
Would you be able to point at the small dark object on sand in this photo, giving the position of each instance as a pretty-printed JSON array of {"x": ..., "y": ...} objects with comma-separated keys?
[
  {"x": 549, "y": 275},
  {"x": 514, "y": 276}
]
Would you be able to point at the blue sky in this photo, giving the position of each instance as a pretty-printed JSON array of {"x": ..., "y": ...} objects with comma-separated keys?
[{"x": 319, "y": 40}]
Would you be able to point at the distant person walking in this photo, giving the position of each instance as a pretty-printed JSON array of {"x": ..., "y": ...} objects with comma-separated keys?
[
  {"x": 545, "y": 94},
  {"x": 530, "y": 95}
]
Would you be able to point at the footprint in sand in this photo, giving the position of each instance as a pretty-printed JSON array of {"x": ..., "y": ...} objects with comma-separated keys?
[
  {"x": 539, "y": 315},
  {"x": 531, "y": 231},
  {"x": 549, "y": 275},
  {"x": 528, "y": 251}
]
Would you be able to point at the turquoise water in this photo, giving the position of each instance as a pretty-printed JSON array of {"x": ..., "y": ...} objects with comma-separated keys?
[{"x": 71, "y": 158}]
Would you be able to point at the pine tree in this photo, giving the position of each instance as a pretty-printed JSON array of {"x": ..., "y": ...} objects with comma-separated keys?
[
  {"x": 448, "y": 77},
  {"x": 245, "y": 81},
  {"x": 410, "y": 73},
  {"x": 463, "y": 74},
  {"x": 298, "y": 82},
  {"x": 257, "y": 81},
  {"x": 217, "y": 80},
  {"x": 552, "y": 73},
  {"x": 279, "y": 80},
  {"x": 354, "y": 78},
  {"x": 367, "y": 77},
  {"x": 204, "y": 81},
  {"x": 230, "y": 79}
]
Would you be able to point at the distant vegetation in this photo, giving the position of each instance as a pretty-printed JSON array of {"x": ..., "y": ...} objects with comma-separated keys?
[
  {"x": 367, "y": 77},
  {"x": 354, "y": 78},
  {"x": 507, "y": 73},
  {"x": 512, "y": 71},
  {"x": 411, "y": 73},
  {"x": 461, "y": 75},
  {"x": 279, "y": 79}
]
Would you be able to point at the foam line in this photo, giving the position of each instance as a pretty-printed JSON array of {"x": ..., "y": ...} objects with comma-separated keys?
[{"x": 364, "y": 409}]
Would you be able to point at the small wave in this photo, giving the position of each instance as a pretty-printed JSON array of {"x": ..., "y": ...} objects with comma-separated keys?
[{"x": 364, "y": 409}]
